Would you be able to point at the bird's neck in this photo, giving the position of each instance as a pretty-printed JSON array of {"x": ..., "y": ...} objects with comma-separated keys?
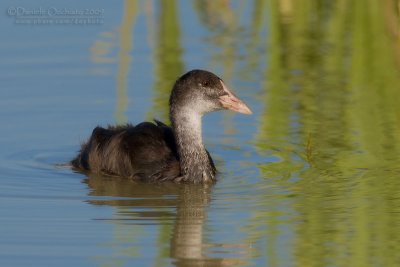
[{"x": 196, "y": 165}]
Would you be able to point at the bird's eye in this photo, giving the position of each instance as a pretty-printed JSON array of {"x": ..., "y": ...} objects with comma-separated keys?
[{"x": 205, "y": 84}]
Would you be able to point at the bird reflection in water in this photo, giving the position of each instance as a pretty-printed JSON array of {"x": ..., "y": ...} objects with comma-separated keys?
[{"x": 180, "y": 207}]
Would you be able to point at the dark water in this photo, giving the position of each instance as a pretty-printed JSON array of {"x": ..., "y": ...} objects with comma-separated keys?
[{"x": 311, "y": 179}]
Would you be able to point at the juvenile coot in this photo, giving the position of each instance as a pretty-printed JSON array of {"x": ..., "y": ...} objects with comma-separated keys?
[{"x": 155, "y": 151}]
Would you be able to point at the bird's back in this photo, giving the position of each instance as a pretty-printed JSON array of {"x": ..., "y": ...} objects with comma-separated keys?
[{"x": 146, "y": 151}]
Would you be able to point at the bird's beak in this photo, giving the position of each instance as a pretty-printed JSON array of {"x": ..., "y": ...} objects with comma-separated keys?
[{"x": 230, "y": 101}]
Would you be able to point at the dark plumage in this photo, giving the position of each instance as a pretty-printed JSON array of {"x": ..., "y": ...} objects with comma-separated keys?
[{"x": 155, "y": 151}]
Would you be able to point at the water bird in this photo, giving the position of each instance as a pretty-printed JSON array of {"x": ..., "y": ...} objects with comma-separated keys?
[{"x": 157, "y": 152}]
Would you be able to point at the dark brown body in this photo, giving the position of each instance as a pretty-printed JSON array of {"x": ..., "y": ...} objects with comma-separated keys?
[{"x": 144, "y": 152}]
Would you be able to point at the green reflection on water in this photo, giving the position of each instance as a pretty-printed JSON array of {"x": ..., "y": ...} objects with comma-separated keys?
[
  {"x": 124, "y": 59},
  {"x": 331, "y": 116},
  {"x": 167, "y": 58}
]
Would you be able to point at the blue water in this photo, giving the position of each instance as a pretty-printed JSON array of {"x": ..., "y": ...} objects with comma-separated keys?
[{"x": 292, "y": 191}]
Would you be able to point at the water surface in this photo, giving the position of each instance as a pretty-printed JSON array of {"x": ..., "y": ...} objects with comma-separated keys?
[{"x": 311, "y": 179}]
